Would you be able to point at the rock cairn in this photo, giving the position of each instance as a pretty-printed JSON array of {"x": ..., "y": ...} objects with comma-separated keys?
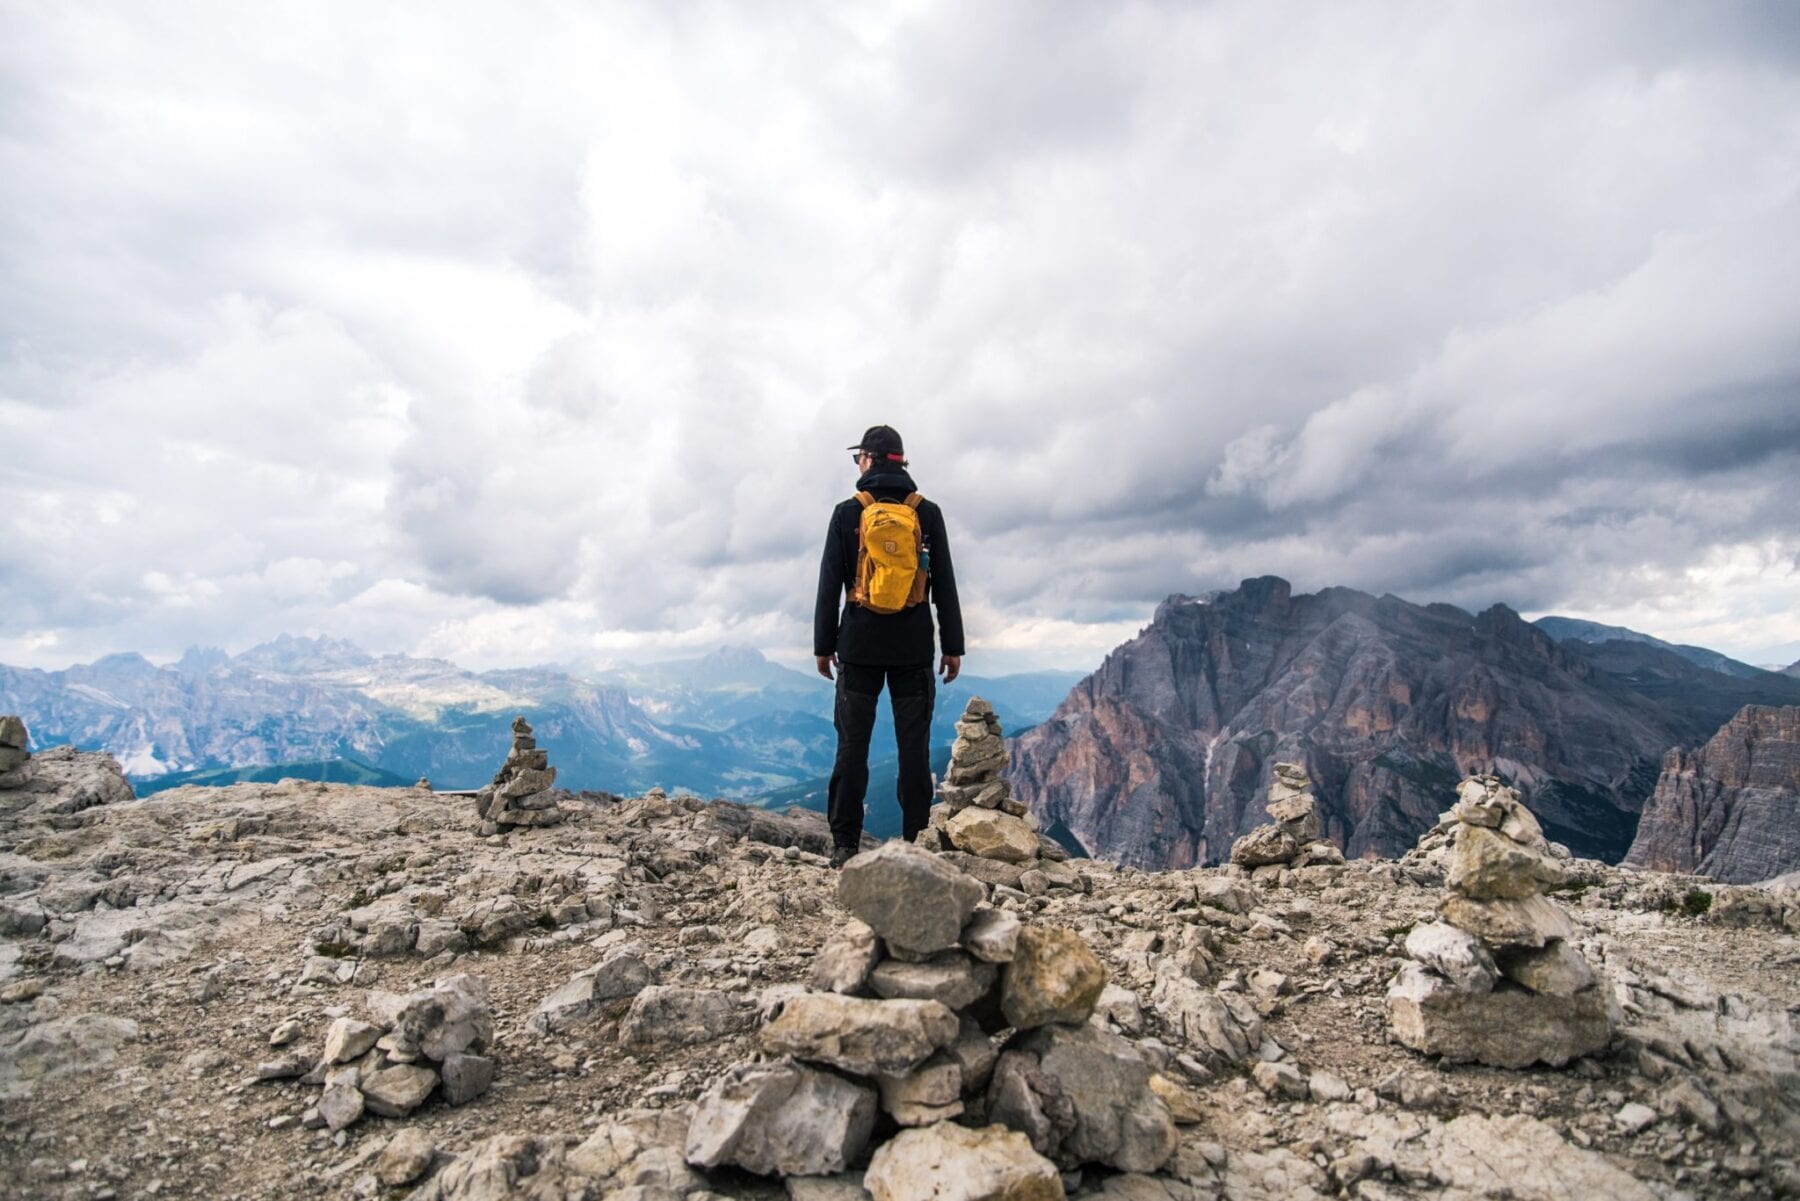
[
  {"x": 521, "y": 794},
  {"x": 897, "y": 1021},
  {"x": 1498, "y": 979},
  {"x": 977, "y": 821},
  {"x": 1293, "y": 839},
  {"x": 431, "y": 1041},
  {"x": 15, "y": 744}
]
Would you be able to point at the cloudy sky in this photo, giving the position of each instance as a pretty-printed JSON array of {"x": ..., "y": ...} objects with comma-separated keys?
[{"x": 533, "y": 332}]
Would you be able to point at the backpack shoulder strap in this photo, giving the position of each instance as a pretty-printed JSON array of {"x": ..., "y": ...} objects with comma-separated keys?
[
  {"x": 865, "y": 498},
  {"x": 912, "y": 501}
]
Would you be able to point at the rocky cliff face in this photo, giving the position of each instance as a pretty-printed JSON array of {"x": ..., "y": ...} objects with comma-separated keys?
[
  {"x": 1731, "y": 808},
  {"x": 1161, "y": 758}
]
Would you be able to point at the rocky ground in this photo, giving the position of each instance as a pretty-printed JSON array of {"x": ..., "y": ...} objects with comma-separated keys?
[{"x": 150, "y": 949}]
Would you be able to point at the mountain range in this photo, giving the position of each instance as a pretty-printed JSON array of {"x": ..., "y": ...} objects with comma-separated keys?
[
  {"x": 1160, "y": 758},
  {"x": 1163, "y": 756},
  {"x": 728, "y": 724},
  {"x": 1574, "y": 629}
]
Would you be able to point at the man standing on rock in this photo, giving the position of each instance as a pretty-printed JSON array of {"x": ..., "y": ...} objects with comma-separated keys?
[{"x": 886, "y": 554}]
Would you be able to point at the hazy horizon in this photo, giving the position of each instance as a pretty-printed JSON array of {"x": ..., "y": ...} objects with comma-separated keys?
[{"x": 799, "y": 661}]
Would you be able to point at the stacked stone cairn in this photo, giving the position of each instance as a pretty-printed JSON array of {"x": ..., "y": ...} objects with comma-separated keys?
[
  {"x": 15, "y": 745},
  {"x": 522, "y": 792},
  {"x": 1293, "y": 840},
  {"x": 892, "y": 1045},
  {"x": 1498, "y": 979},
  {"x": 976, "y": 815},
  {"x": 431, "y": 1041}
]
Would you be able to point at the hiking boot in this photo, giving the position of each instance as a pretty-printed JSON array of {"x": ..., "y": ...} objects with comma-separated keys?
[{"x": 841, "y": 856}]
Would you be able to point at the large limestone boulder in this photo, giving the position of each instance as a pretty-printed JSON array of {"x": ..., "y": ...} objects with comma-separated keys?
[
  {"x": 394, "y": 1092},
  {"x": 1082, "y": 1095},
  {"x": 991, "y": 834},
  {"x": 664, "y": 1015},
  {"x": 1525, "y": 922},
  {"x": 781, "y": 1118},
  {"x": 845, "y": 960},
  {"x": 931, "y": 1092},
  {"x": 1509, "y": 1027},
  {"x": 947, "y": 1162},
  {"x": 1263, "y": 846},
  {"x": 622, "y": 973},
  {"x": 453, "y": 1016},
  {"x": 859, "y": 1035},
  {"x": 1486, "y": 865},
  {"x": 910, "y": 897},
  {"x": 1556, "y": 969},
  {"x": 347, "y": 1039},
  {"x": 1454, "y": 954},
  {"x": 1053, "y": 977},
  {"x": 951, "y": 978},
  {"x": 992, "y": 935},
  {"x": 1298, "y": 815},
  {"x": 462, "y": 1077}
]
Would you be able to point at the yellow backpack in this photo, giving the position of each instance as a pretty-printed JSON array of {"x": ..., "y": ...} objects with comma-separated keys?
[{"x": 891, "y": 566}]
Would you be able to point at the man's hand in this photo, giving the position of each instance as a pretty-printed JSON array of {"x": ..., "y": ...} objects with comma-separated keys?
[
  {"x": 950, "y": 667},
  {"x": 826, "y": 662}
]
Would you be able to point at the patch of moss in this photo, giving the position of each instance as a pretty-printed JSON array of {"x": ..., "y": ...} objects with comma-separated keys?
[{"x": 1696, "y": 902}]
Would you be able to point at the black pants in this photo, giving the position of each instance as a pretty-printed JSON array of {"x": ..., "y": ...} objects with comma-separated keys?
[{"x": 911, "y": 692}]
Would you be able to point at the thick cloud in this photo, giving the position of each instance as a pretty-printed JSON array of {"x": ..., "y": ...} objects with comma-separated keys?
[{"x": 514, "y": 333}]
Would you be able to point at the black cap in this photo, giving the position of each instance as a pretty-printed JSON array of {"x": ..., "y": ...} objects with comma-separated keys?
[{"x": 882, "y": 441}]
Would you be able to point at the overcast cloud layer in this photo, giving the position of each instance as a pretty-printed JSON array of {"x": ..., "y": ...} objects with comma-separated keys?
[{"x": 529, "y": 332}]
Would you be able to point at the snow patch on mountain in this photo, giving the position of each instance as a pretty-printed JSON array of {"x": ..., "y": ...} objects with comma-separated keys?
[{"x": 98, "y": 695}]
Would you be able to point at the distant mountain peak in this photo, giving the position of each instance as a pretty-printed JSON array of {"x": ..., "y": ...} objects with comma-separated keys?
[
  {"x": 123, "y": 661},
  {"x": 289, "y": 652},
  {"x": 1266, "y": 591},
  {"x": 734, "y": 656},
  {"x": 1577, "y": 629},
  {"x": 199, "y": 660}
]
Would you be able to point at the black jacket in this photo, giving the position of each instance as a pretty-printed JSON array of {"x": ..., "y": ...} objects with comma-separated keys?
[{"x": 857, "y": 635}]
